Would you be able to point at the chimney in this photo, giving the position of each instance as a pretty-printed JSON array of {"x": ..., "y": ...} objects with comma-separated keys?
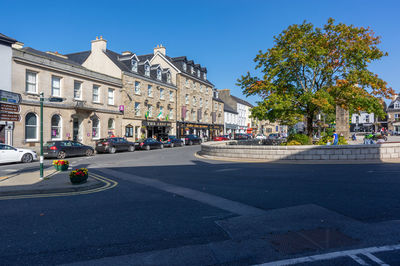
[
  {"x": 160, "y": 49},
  {"x": 18, "y": 45},
  {"x": 99, "y": 45},
  {"x": 126, "y": 53}
]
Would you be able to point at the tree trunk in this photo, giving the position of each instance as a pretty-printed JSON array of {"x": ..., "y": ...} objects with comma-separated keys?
[{"x": 310, "y": 119}]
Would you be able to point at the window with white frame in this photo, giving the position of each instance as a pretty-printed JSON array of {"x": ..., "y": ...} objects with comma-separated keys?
[
  {"x": 137, "y": 87},
  {"x": 168, "y": 77},
  {"x": 171, "y": 114},
  {"x": 150, "y": 90},
  {"x": 56, "y": 127},
  {"x": 187, "y": 83},
  {"x": 95, "y": 128},
  {"x": 150, "y": 110},
  {"x": 198, "y": 73},
  {"x": 110, "y": 96},
  {"x": 396, "y": 117},
  {"x": 396, "y": 105},
  {"x": 134, "y": 65},
  {"x": 204, "y": 76},
  {"x": 187, "y": 99},
  {"x": 194, "y": 115},
  {"x": 201, "y": 102},
  {"x": 161, "y": 93},
  {"x": 187, "y": 115},
  {"x": 161, "y": 114},
  {"x": 147, "y": 70},
  {"x": 111, "y": 124},
  {"x": 206, "y": 90},
  {"x": 194, "y": 101},
  {"x": 158, "y": 74},
  {"x": 171, "y": 96},
  {"x": 137, "y": 109},
  {"x": 96, "y": 93},
  {"x": 184, "y": 66},
  {"x": 31, "y": 81},
  {"x": 31, "y": 127},
  {"x": 55, "y": 86},
  {"x": 192, "y": 70},
  {"x": 77, "y": 90},
  {"x": 201, "y": 88}
]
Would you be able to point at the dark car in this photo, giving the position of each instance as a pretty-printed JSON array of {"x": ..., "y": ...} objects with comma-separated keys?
[
  {"x": 113, "y": 145},
  {"x": 148, "y": 144},
  {"x": 241, "y": 136},
  {"x": 192, "y": 139},
  {"x": 171, "y": 141},
  {"x": 66, "y": 148}
]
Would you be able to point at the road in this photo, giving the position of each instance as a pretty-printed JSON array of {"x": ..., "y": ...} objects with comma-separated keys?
[{"x": 171, "y": 206}]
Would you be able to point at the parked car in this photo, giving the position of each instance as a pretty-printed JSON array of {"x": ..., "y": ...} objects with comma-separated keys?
[
  {"x": 261, "y": 136},
  {"x": 274, "y": 136},
  {"x": 192, "y": 139},
  {"x": 112, "y": 145},
  {"x": 221, "y": 138},
  {"x": 171, "y": 141},
  {"x": 148, "y": 144},
  {"x": 64, "y": 148},
  {"x": 241, "y": 136},
  {"x": 9, "y": 154}
]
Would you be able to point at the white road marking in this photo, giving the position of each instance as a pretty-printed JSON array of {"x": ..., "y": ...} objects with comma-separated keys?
[
  {"x": 333, "y": 255},
  {"x": 227, "y": 170},
  {"x": 375, "y": 259},
  {"x": 358, "y": 260}
]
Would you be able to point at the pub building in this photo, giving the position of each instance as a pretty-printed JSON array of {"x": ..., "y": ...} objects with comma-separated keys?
[{"x": 157, "y": 129}]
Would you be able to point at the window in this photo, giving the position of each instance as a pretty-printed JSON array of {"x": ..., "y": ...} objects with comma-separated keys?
[
  {"x": 191, "y": 70},
  {"x": 134, "y": 65},
  {"x": 137, "y": 87},
  {"x": 187, "y": 98},
  {"x": 77, "y": 90},
  {"x": 184, "y": 66},
  {"x": 161, "y": 93},
  {"x": 201, "y": 88},
  {"x": 204, "y": 76},
  {"x": 110, "y": 96},
  {"x": 147, "y": 70},
  {"x": 31, "y": 81},
  {"x": 187, "y": 115},
  {"x": 95, "y": 128},
  {"x": 137, "y": 109},
  {"x": 187, "y": 83},
  {"x": 192, "y": 85},
  {"x": 396, "y": 117},
  {"x": 171, "y": 114},
  {"x": 194, "y": 101},
  {"x": 201, "y": 102},
  {"x": 171, "y": 96},
  {"x": 396, "y": 105},
  {"x": 95, "y": 94},
  {"x": 158, "y": 74},
  {"x": 194, "y": 116},
  {"x": 215, "y": 106},
  {"x": 150, "y": 110},
  {"x": 55, "y": 127},
  {"x": 129, "y": 131},
  {"x": 150, "y": 90},
  {"x": 161, "y": 114},
  {"x": 31, "y": 126},
  {"x": 111, "y": 124},
  {"x": 56, "y": 86},
  {"x": 206, "y": 90},
  {"x": 198, "y": 73},
  {"x": 169, "y": 77}
]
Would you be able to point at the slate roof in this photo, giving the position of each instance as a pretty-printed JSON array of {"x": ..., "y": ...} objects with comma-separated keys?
[
  {"x": 79, "y": 57},
  {"x": 242, "y": 101},
  {"x": 218, "y": 100},
  {"x": 391, "y": 105},
  {"x": 50, "y": 56},
  {"x": 229, "y": 109},
  {"x": 6, "y": 39}
]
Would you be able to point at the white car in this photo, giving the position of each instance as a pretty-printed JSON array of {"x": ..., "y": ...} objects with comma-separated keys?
[
  {"x": 9, "y": 154},
  {"x": 260, "y": 136}
]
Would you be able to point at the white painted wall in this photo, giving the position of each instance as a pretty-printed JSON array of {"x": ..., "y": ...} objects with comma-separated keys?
[
  {"x": 362, "y": 118},
  {"x": 5, "y": 69}
]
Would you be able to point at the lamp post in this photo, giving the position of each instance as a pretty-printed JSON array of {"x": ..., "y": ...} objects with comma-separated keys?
[{"x": 41, "y": 134}]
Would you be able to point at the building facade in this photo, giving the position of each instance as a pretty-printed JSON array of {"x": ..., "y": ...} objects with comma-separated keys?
[
  {"x": 362, "y": 122},
  {"x": 393, "y": 115},
  {"x": 80, "y": 104},
  {"x": 230, "y": 120}
]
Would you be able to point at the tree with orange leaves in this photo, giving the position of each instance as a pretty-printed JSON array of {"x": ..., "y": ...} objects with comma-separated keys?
[{"x": 310, "y": 70}]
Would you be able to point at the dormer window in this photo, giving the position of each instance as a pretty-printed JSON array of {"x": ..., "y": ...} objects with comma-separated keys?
[
  {"x": 134, "y": 65},
  {"x": 184, "y": 66},
  {"x": 158, "y": 74},
  {"x": 204, "y": 76},
  {"x": 169, "y": 77},
  {"x": 198, "y": 73},
  {"x": 396, "y": 105},
  {"x": 147, "y": 70},
  {"x": 192, "y": 70}
]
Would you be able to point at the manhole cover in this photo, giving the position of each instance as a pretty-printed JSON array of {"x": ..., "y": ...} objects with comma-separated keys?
[{"x": 311, "y": 240}]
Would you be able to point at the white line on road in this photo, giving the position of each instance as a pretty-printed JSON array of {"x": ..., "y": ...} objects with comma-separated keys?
[
  {"x": 333, "y": 255},
  {"x": 358, "y": 260},
  {"x": 373, "y": 258}
]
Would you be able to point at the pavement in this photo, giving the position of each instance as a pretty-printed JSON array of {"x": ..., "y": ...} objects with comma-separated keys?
[{"x": 172, "y": 208}]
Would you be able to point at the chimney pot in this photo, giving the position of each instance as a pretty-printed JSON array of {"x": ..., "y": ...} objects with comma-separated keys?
[
  {"x": 99, "y": 44},
  {"x": 160, "y": 49}
]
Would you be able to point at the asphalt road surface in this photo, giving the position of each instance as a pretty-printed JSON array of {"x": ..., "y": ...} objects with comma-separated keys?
[{"x": 171, "y": 207}]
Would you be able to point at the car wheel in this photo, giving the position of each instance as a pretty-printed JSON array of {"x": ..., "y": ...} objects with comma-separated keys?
[
  {"x": 112, "y": 150},
  {"x": 88, "y": 152},
  {"x": 190, "y": 143},
  {"x": 147, "y": 148},
  {"x": 161, "y": 146},
  {"x": 27, "y": 158},
  {"x": 61, "y": 155},
  {"x": 172, "y": 145},
  {"x": 131, "y": 148}
]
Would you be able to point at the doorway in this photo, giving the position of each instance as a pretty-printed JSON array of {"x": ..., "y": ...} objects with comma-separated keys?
[{"x": 76, "y": 129}]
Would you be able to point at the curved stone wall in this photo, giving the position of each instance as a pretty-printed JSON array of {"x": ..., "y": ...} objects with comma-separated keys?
[{"x": 229, "y": 149}]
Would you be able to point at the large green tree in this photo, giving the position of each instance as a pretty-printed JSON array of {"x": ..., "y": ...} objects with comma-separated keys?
[{"x": 310, "y": 70}]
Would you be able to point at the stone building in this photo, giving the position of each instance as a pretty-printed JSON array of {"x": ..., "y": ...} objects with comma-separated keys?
[
  {"x": 198, "y": 111},
  {"x": 148, "y": 92},
  {"x": 393, "y": 115},
  {"x": 80, "y": 104}
]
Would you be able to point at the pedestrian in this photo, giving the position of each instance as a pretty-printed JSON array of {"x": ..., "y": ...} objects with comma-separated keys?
[{"x": 335, "y": 139}]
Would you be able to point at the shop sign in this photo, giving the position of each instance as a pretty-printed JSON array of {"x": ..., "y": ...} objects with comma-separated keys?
[
  {"x": 196, "y": 126},
  {"x": 156, "y": 123}
]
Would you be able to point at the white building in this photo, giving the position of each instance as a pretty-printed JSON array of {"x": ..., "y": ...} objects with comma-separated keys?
[
  {"x": 362, "y": 122},
  {"x": 231, "y": 120}
]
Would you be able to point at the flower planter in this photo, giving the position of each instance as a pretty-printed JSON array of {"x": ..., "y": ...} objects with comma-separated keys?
[
  {"x": 77, "y": 179},
  {"x": 56, "y": 167},
  {"x": 63, "y": 167}
]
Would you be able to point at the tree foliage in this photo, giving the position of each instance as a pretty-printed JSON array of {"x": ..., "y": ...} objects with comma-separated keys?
[{"x": 310, "y": 70}]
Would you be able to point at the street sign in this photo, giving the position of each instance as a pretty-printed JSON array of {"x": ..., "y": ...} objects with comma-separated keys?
[
  {"x": 10, "y": 117},
  {"x": 55, "y": 99},
  {"x": 10, "y": 97},
  {"x": 5, "y": 107}
]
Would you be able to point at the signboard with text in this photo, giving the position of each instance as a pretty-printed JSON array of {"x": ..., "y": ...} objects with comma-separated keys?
[
  {"x": 10, "y": 97},
  {"x": 10, "y": 117},
  {"x": 5, "y": 107}
]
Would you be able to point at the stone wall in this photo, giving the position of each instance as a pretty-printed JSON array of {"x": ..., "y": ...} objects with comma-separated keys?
[{"x": 306, "y": 152}]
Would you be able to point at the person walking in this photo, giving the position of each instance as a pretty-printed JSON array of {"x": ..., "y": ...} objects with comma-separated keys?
[{"x": 335, "y": 140}]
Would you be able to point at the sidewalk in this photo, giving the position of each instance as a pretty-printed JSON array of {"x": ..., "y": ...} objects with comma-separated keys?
[{"x": 27, "y": 183}]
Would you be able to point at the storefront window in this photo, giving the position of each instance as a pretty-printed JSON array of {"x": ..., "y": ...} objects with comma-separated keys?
[
  {"x": 129, "y": 131},
  {"x": 55, "y": 127}
]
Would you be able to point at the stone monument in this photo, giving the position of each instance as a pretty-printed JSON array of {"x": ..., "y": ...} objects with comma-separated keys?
[{"x": 342, "y": 122}]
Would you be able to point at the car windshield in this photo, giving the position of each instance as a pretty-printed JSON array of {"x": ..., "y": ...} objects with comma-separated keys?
[{"x": 50, "y": 143}]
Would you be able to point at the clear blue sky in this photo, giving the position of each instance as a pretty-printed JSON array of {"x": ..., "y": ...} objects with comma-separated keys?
[{"x": 222, "y": 35}]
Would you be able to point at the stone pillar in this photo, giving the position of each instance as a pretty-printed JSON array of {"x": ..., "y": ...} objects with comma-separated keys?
[{"x": 342, "y": 122}]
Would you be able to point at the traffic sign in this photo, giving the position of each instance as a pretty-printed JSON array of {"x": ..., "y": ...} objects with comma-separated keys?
[
  {"x": 55, "y": 99},
  {"x": 5, "y": 107},
  {"x": 10, "y": 97},
  {"x": 10, "y": 117}
]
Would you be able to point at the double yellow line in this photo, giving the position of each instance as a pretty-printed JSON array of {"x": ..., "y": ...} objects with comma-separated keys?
[{"x": 108, "y": 184}]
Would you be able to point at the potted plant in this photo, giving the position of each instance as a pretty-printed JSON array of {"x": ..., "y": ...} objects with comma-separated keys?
[
  {"x": 61, "y": 165},
  {"x": 79, "y": 176}
]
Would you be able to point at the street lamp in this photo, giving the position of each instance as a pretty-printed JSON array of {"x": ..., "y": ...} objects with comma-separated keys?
[{"x": 41, "y": 134}]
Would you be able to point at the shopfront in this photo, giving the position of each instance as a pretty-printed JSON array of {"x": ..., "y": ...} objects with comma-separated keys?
[
  {"x": 156, "y": 129},
  {"x": 187, "y": 128},
  {"x": 231, "y": 129}
]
